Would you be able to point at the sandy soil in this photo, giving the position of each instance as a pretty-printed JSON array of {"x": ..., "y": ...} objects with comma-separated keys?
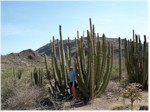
[{"x": 111, "y": 100}]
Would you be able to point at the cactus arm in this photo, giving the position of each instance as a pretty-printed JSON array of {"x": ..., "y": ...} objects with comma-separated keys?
[
  {"x": 120, "y": 57},
  {"x": 99, "y": 56},
  {"x": 104, "y": 50},
  {"x": 145, "y": 63},
  {"x": 106, "y": 76},
  {"x": 64, "y": 74},
  {"x": 109, "y": 67}
]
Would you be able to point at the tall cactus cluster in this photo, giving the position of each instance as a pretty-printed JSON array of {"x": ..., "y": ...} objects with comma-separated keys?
[
  {"x": 60, "y": 65},
  {"x": 93, "y": 63},
  {"x": 136, "y": 60}
]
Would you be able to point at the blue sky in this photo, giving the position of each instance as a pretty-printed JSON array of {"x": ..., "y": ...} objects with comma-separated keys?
[{"x": 31, "y": 25}]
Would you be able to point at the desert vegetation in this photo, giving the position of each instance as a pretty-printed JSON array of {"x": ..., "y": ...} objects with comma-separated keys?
[{"x": 103, "y": 76}]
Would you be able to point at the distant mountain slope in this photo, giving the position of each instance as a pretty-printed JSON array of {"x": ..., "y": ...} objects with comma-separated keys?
[
  {"x": 46, "y": 48},
  {"x": 24, "y": 60}
]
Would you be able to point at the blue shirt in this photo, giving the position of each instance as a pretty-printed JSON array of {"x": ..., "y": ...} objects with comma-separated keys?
[{"x": 72, "y": 76}]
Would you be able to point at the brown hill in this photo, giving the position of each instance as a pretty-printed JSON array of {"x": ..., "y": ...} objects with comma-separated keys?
[
  {"x": 46, "y": 48},
  {"x": 25, "y": 60}
]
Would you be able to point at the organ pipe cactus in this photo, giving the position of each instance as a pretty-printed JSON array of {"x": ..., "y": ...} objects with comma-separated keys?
[
  {"x": 60, "y": 65},
  {"x": 93, "y": 64},
  {"x": 136, "y": 60},
  {"x": 17, "y": 74},
  {"x": 37, "y": 77}
]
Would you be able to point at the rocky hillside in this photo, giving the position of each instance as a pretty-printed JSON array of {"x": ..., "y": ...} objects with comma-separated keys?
[
  {"x": 24, "y": 60},
  {"x": 46, "y": 48}
]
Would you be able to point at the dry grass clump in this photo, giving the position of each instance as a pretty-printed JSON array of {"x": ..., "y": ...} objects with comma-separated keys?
[
  {"x": 23, "y": 100},
  {"x": 19, "y": 95},
  {"x": 9, "y": 85}
]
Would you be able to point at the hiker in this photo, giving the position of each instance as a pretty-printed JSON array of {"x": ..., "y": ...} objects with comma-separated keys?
[{"x": 72, "y": 82}]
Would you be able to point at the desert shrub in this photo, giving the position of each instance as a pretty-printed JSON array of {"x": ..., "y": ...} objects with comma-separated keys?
[
  {"x": 7, "y": 88},
  {"x": 23, "y": 100},
  {"x": 132, "y": 92},
  {"x": 7, "y": 74},
  {"x": 12, "y": 73},
  {"x": 17, "y": 94}
]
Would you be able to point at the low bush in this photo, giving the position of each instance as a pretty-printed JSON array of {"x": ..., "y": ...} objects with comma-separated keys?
[
  {"x": 132, "y": 92},
  {"x": 19, "y": 94},
  {"x": 23, "y": 100}
]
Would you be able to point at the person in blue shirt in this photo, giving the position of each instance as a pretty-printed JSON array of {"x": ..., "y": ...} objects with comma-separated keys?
[{"x": 72, "y": 82}]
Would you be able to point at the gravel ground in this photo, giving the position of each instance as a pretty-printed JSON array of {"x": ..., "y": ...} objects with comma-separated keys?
[{"x": 111, "y": 100}]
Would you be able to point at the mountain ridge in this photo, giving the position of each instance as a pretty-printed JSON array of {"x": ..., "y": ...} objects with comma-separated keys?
[
  {"x": 46, "y": 48},
  {"x": 28, "y": 59}
]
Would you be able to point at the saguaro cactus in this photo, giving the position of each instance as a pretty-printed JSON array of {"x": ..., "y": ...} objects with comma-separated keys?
[
  {"x": 94, "y": 67},
  {"x": 136, "y": 60}
]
